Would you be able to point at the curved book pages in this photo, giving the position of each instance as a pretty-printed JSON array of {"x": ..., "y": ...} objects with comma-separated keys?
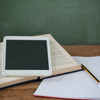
[{"x": 62, "y": 62}]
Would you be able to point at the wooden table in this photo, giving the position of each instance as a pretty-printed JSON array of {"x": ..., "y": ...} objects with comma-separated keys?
[{"x": 25, "y": 91}]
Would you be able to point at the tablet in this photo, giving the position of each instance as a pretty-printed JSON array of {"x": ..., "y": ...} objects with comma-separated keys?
[{"x": 26, "y": 56}]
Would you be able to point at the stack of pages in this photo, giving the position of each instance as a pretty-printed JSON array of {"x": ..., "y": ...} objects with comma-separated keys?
[{"x": 78, "y": 85}]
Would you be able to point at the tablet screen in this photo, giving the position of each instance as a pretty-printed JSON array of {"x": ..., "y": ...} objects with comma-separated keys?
[{"x": 26, "y": 55}]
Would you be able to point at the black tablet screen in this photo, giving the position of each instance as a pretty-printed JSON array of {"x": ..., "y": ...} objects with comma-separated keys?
[{"x": 26, "y": 55}]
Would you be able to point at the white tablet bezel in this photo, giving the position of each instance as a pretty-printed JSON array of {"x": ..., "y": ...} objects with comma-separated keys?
[{"x": 26, "y": 72}]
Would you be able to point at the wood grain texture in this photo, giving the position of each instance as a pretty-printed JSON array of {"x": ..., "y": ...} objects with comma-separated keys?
[
  {"x": 25, "y": 91},
  {"x": 83, "y": 50}
]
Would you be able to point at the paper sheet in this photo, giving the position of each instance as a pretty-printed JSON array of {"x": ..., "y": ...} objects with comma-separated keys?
[
  {"x": 92, "y": 63},
  {"x": 79, "y": 85}
]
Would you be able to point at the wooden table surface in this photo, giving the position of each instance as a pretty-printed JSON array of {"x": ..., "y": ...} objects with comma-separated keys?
[{"x": 25, "y": 91}]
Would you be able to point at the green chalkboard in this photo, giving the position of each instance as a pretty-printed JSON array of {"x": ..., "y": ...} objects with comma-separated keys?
[{"x": 69, "y": 21}]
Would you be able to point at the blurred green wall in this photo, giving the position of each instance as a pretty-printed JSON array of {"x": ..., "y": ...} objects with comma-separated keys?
[{"x": 69, "y": 21}]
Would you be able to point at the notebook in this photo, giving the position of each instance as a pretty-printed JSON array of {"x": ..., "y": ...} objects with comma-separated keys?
[{"x": 79, "y": 85}]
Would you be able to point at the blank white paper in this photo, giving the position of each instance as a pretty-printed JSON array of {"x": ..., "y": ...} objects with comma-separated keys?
[{"x": 78, "y": 85}]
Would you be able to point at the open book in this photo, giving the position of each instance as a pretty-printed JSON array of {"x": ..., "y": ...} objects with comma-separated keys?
[{"x": 62, "y": 62}]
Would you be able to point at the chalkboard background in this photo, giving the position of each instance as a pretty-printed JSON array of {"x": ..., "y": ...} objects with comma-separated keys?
[{"x": 69, "y": 21}]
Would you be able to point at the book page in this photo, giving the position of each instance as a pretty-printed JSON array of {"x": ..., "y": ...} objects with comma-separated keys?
[
  {"x": 60, "y": 57},
  {"x": 1, "y": 60}
]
